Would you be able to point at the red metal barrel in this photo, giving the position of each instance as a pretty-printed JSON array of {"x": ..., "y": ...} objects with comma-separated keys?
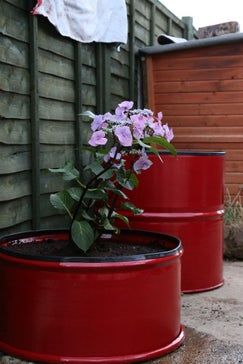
[
  {"x": 90, "y": 310},
  {"x": 183, "y": 196}
]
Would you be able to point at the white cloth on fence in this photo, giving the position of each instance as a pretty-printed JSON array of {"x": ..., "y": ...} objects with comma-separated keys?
[{"x": 87, "y": 20}]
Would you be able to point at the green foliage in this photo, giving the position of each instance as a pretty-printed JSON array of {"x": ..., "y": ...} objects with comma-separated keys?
[
  {"x": 162, "y": 142},
  {"x": 127, "y": 179},
  {"x": 62, "y": 201},
  {"x": 115, "y": 215},
  {"x": 233, "y": 214},
  {"x": 132, "y": 208},
  {"x": 82, "y": 234},
  {"x": 69, "y": 172},
  {"x": 92, "y": 193}
]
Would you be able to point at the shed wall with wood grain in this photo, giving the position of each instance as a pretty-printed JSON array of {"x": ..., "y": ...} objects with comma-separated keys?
[
  {"x": 46, "y": 81},
  {"x": 199, "y": 88}
]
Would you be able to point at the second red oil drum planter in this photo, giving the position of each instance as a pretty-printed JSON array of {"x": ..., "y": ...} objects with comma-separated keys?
[{"x": 184, "y": 196}]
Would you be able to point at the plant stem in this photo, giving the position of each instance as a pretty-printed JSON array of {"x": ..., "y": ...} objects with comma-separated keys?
[
  {"x": 113, "y": 204},
  {"x": 89, "y": 184}
]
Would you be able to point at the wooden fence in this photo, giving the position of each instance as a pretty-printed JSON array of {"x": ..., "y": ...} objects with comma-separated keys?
[
  {"x": 46, "y": 81},
  {"x": 199, "y": 86}
]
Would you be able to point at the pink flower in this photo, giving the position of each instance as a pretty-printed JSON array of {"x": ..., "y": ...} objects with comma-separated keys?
[
  {"x": 139, "y": 120},
  {"x": 124, "y": 135},
  {"x": 97, "y": 138},
  {"x": 139, "y": 123},
  {"x": 122, "y": 107},
  {"x": 169, "y": 135},
  {"x": 142, "y": 163},
  {"x": 108, "y": 117},
  {"x": 147, "y": 112},
  {"x": 158, "y": 128},
  {"x": 149, "y": 115},
  {"x": 160, "y": 116},
  {"x": 126, "y": 105},
  {"x": 97, "y": 122},
  {"x": 112, "y": 154}
]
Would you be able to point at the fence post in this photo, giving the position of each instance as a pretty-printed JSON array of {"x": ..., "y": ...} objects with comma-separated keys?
[
  {"x": 103, "y": 77},
  {"x": 78, "y": 103},
  {"x": 132, "y": 50},
  {"x": 107, "y": 77},
  {"x": 99, "y": 78},
  {"x": 188, "y": 33},
  {"x": 169, "y": 26},
  {"x": 152, "y": 23},
  {"x": 35, "y": 122}
]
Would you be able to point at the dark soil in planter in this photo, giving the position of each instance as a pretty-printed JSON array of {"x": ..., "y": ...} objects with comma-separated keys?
[{"x": 62, "y": 248}]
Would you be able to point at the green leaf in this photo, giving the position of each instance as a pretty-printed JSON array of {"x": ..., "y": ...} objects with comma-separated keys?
[
  {"x": 142, "y": 144},
  {"x": 156, "y": 152},
  {"x": 88, "y": 149},
  {"x": 118, "y": 192},
  {"x": 108, "y": 174},
  {"x": 107, "y": 225},
  {"x": 115, "y": 215},
  {"x": 75, "y": 193},
  {"x": 62, "y": 201},
  {"x": 82, "y": 234},
  {"x": 69, "y": 172},
  {"x": 162, "y": 142},
  {"x": 130, "y": 207},
  {"x": 101, "y": 152},
  {"x": 95, "y": 193},
  {"x": 103, "y": 211},
  {"x": 133, "y": 180},
  {"x": 94, "y": 167},
  {"x": 86, "y": 216},
  {"x": 97, "y": 169},
  {"x": 127, "y": 180}
]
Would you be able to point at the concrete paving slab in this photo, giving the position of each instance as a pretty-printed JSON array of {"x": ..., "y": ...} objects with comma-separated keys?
[
  {"x": 214, "y": 323},
  {"x": 201, "y": 348},
  {"x": 218, "y": 312}
]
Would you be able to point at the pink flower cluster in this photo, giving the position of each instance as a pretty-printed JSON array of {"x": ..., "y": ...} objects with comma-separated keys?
[
  {"x": 125, "y": 128},
  {"x": 127, "y": 124}
]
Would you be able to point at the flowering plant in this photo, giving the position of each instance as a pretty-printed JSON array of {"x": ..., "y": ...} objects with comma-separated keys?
[{"x": 96, "y": 205}]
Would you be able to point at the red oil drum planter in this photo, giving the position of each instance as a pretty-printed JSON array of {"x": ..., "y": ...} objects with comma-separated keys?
[
  {"x": 90, "y": 310},
  {"x": 183, "y": 196}
]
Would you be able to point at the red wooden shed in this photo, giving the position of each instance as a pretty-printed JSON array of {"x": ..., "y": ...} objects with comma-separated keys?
[{"x": 199, "y": 87}]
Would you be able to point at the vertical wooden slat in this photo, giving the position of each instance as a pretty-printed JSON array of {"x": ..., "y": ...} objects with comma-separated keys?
[
  {"x": 103, "y": 78},
  {"x": 150, "y": 83},
  {"x": 99, "y": 78},
  {"x": 34, "y": 116},
  {"x": 152, "y": 23},
  {"x": 132, "y": 50},
  {"x": 106, "y": 78},
  {"x": 169, "y": 26},
  {"x": 78, "y": 103}
]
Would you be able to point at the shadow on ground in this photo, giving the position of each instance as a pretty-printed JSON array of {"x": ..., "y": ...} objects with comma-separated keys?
[{"x": 201, "y": 348}]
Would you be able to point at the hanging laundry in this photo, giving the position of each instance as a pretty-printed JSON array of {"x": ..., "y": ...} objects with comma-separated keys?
[{"x": 87, "y": 20}]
